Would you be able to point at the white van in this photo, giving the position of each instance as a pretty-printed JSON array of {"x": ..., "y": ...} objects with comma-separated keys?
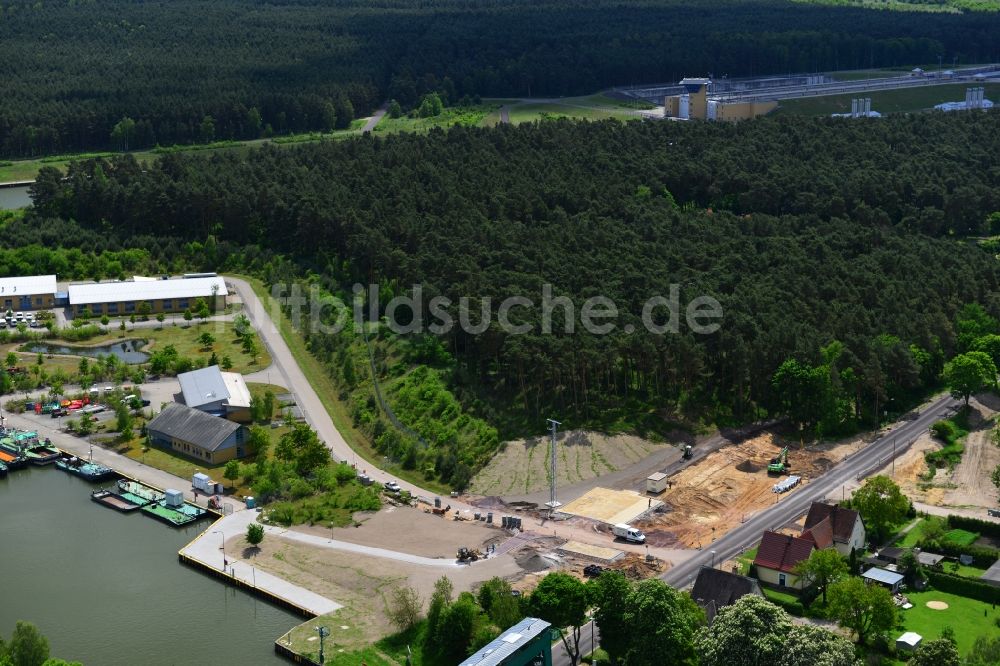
[{"x": 628, "y": 533}]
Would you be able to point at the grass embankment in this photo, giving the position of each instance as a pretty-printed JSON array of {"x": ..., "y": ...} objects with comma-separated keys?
[
  {"x": 338, "y": 410},
  {"x": 530, "y": 112},
  {"x": 907, "y": 100},
  {"x": 464, "y": 116},
  {"x": 343, "y": 646},
  {"x": 746, "y": 560},
  {"x": 18, "y": 170},
  {"x": 952, "y": 431}
]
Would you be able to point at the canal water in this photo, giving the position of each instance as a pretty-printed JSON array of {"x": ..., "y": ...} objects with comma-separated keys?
[
  {"x": 14, "y": 197},
  {"x": 106, "y": 588}
]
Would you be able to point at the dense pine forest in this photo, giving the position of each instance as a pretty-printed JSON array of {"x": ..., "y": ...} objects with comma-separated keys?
[
  {"x": 113, "y": 74},
  {"x": 835, "y": 243}
]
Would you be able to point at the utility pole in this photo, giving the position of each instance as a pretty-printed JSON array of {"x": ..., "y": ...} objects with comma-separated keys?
[
  {"x": 552, "y": 503},
  {"x": 323, "y": 633}
]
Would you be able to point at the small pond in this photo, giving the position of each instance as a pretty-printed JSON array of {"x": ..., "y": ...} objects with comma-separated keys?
[{"x": 126, "y": 350}]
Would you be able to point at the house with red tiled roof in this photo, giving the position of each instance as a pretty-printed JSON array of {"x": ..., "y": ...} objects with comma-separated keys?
[
  {"x": 845, "y": 526},
  {"x": 777, "y": 557}
]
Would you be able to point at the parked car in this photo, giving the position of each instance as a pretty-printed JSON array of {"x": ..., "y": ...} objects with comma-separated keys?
[
  {"x": 592, "y": 570},
  {"x": 392, "y": 487}
]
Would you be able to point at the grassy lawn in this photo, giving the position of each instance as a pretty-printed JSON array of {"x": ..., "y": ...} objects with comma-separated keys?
[
  {"x": 342, "y": 647},
  {"x": 916, "y": 533},
  {"x": 961, "y": 537},
  {"x": 528, "y": 112},
  {"x": 337, "y": 410},
  {"x": 600, "y": 99},
  {"x": 746, "y": 560},
  {"x": 185, "y": 339},
  {"x": 466, "y": 116},
  {"x": 963, "y": 570},
  {"x": 778, "y": 595},
  {"x": 969, "y": 618},
  {"x": 886, "y": 101}
]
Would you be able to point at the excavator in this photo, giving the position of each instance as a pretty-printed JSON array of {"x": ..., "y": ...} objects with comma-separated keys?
[{"x": 780, "y": 464}]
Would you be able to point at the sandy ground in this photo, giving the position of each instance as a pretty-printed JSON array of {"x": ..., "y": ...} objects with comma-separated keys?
[
  {"x": 522, "y": 466},
  {"x": 363, "y": 585},
  {"x": 611, "y": 506},
  {"x": 969, "y": 484},
  {"x": 410, "y": 530},
  {"x": 727, "y": 486}
]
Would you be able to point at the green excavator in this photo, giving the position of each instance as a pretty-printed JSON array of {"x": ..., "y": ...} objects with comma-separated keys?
[{"x": 780, "y": 464}]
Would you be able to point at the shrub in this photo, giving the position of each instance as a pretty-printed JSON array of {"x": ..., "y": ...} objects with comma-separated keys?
[{"x": 974, "y": 525}]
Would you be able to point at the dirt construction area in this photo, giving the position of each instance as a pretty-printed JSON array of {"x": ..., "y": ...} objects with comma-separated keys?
[
  {"x": 410, "y": 530},
  {"x": 719, "y": 491},
  {"x": 969, "y": 484},
  {"x": 522, "y": 466}
]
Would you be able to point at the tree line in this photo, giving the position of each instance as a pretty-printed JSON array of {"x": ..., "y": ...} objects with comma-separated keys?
[
  {"x": 122, "y": 75},
  {"x": 824, "y": 274}
]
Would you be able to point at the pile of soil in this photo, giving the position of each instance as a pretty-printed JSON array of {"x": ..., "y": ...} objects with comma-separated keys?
[{"x": 748, "y": 466}]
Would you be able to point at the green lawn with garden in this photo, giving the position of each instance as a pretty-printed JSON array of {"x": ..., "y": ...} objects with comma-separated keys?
[{"x": 967, "y": 617}]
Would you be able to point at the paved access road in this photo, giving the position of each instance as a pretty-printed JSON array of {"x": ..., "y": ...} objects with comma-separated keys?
[
  {"x": 285, "y": 371},
  {"x": 797, "y": 502}
]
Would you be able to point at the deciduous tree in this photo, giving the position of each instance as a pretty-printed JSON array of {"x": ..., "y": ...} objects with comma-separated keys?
[
  {"x": 664, "y": 621},
  {"x": 940, "y": 652},
  {"x": 255, "y": 534},
  {"x": 404, "y": 608},
  {"x": 822, "y": 567},
  {"x": 881, "y": 503},
  {"x": 749, "y": 632},
  {"x": 865, "y": 609},
  {"x": 562, "y": 600}
]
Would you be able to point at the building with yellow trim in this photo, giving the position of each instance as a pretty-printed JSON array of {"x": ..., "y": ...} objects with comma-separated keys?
[{"x": 697, "y": 103}]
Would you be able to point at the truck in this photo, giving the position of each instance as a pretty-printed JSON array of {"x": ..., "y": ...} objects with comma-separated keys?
[{"x": 623, "y": 531}]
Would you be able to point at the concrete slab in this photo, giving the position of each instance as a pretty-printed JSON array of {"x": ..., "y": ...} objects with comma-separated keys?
[
  {"x": 589, "y": 552},
  {"x": 611, "y": 506}
]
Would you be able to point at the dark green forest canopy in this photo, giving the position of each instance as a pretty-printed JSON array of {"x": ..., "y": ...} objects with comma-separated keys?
[
  {"x": 73, "y": 70},
  {"x": 590, "y": 208}
]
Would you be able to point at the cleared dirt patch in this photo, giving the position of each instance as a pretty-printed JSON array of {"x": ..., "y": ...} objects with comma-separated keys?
[
  {"x": 522, "y": 466},
  {"x": 937, "y": 605},
  {"x": 729, "y": 485},
  {"x": 969, "y": 484},
  {"x": 363, "y": 584},
  {"x": 410, "y": 530}
]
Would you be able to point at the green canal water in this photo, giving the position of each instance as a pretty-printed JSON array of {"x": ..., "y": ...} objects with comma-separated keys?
[{"x": 106, "y": 588}]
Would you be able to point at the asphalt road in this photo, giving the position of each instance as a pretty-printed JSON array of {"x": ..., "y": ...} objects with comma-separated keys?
[
  {"x": 559, "y": 655},
  {"x": 796, "y": 503}
]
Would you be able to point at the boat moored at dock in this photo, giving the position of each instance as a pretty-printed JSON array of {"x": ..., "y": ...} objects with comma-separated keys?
[
  {"x": 42, "y": 454},
  {"x": 85, "y": 469},
  {"x": 13, "y": 460},
  {"x": 173, "y": 510},
  {"x": 113, "y": 500}
]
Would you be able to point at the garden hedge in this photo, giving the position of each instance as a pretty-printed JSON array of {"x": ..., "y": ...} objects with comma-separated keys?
[{"x": 963, "y": 587}]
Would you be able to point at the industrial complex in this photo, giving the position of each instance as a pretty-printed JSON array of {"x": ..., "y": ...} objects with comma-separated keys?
[{"x": 741, "y": 99}]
